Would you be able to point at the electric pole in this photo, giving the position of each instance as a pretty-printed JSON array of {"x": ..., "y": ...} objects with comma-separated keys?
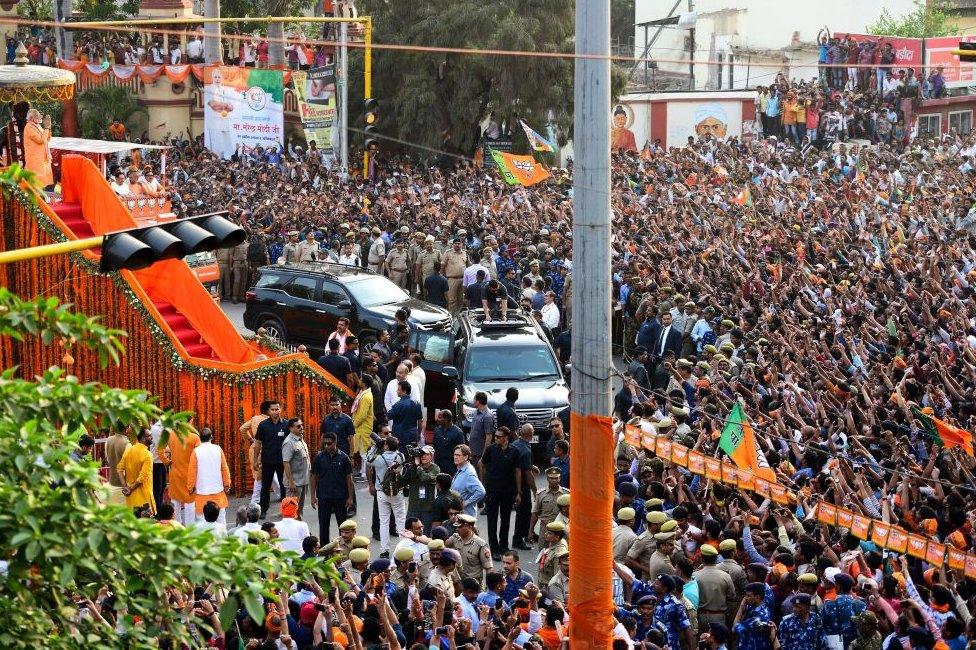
[
  {"x": 213, "y": 49},
  {"x": 344, "y": 98},
  {"x": 591, "y": 505}
]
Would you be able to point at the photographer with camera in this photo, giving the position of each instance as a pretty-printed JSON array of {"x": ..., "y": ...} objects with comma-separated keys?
[
  {"x": 420, "y": 477},
  {"x": 385, "y": 474}
]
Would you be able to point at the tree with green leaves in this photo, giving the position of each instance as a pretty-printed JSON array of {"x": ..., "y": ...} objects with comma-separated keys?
[
  {"x": 77, "y": 572},
  {"x": 925, "y": 20},
  {"x": 438, "y": 100},
  {"x": 100, "y": 105}
]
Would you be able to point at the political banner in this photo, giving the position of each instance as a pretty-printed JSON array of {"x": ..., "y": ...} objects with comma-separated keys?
[
  {"x": 243, "y": 108},
  {"x": 938, "y": 52},
  {"x": 315, "y": 91}
]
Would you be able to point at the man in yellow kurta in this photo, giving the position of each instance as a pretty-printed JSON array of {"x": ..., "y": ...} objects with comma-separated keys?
[
  {"x": 362, "y": 419},
  {"x": 179, "y": 458},
  {"x": 135, "y": 469},
  {"x": 208, "y": 476}
]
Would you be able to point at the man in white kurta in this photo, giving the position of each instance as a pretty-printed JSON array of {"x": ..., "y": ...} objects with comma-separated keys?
[{"x": 208, "y": 478}]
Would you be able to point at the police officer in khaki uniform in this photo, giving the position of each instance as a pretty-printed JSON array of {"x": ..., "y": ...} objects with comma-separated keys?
[
  {"x": 558, "y": 586},
  {"x": 732, "y": 567},
  {"x": 567, "y": 272},
  {"x": 377, "y": 251},
  {"x": 661, "y": 558},
  {"x": 623, "y": 534},
  {"x": 402, "y": 557},
  {"x": 430, "y": 561},
  {"x": 562, "y": 502},
  {"x": 475, "y": 552},
  {"x": 443, "y": 575},
  {"x": 425, "y": 262},
  {"x": 355, "y": 565},
  {"x": 347, "y": 533},
  {"x": 241, "y": 276},
  {"x": 454, "y": 263},
  {"x": 555, "y": 546},
  {"x": 225, "y": 264},
  {"x": 415, "y": 249},
  {"x": 398, "y": 264},
  {"x": 546, "y": 510},
  {"x": 291, "y": 252},
  {"x": 715, "y": 589},
  {"x": 308, "y": 250},
  {"x": 644, "y": 546}
]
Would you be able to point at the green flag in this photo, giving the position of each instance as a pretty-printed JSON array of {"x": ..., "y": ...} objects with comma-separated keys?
[{"x": 503, "y": 168}]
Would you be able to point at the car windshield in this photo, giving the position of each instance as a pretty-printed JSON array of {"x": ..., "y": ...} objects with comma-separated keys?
[
  {"x": 376, "y": 290},
  {"x": 511, "y": 364},
  {"x": 434, "y": 346}
]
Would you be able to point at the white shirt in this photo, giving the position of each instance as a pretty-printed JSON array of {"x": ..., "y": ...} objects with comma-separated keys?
[
  {"x": 291, "y": 533},
  {"x": 175, "y": 55},
  {"x": 242, "y": 532},
  {"x": 349, "y": 260},
  {"x": 122, "y": 189},
  {"x": 194, "y": 48},
  {"x": 664, "y": 339},
  {"x": 550, "y": 315},
  {"x": 217, "y": 528}
]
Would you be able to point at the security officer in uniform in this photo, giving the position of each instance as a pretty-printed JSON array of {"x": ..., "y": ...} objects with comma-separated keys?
[
  {"x": 308, "y": 250},
  {"x": 257, "y": 256},
  {"x": 425, "y": 262},
  {"x": 377, "y": 251},
  {"x": 546, "y": 510},
  {"x": 292, "y": 251},
  {"x": 355, "y": 565},
  {"x": 415, "y": 249},
  {"x": 643, "y": 547},
  {"x": 715, "y": 589},
  {"x": 239, "y": 259},
  {"x": 347, "y": 533},
  {"x": 732, "y": 567},
  {"x": 475, "y": 552},
  {"x": 398, "y": 265},
  {"x": 430, "y": 561},
  {"x": 555, "y": 546},
  {"x": 558, "y": 586},
  {"x": 402, "y": 557},
  {"x": 454, "y": 263},
  {"x": 225, "y": 264},
  {"x": 623, "y": 534},
  {"x": 661, "y": 558},
  {"x": 562, "y": 501}
]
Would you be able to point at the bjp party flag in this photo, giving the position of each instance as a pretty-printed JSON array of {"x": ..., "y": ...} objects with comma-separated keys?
[
  {"x": 739, "y": 442},
  {"x": 519, "y": 170}
]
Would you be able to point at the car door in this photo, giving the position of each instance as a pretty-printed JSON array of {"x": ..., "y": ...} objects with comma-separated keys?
[
  {"x": 300, "y": 314},
  {"x": 333, "y": 304}
]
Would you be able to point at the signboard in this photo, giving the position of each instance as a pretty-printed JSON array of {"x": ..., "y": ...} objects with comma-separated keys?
[
  {"x": 242, "y": 108},
  {"x": 908, "y": 51},
  {"x": 938, "y": 51},
  {"x": 315, "y": 91}
]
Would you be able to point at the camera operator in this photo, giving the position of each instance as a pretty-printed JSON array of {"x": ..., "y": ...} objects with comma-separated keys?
[{"x": 420, "y": 477}]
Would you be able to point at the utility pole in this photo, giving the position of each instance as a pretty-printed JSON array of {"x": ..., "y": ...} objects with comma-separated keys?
[
  {"x": 591, "y": 505},
  {"x": 344, "y": 98},
  {"x": 213, "y": 50},
  {"x": 63, "y": 38},
  {"x": 691, "y": 50}
]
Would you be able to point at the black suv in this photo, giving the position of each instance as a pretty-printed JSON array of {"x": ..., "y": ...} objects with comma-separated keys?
[
  {"x": 492, "y": 356},
  {"x": 301, "y": 303}
]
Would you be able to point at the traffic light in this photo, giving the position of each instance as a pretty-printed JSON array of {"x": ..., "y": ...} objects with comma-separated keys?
[
  {"x": 138, "y": 248},
  {"x": 966, "y": 51},
  {"x": 371, "y": 116}
]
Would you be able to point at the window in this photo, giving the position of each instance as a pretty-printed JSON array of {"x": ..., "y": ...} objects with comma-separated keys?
[
  {"x": 434, "y": 346},
  {"x": 929, "y": 126},
  {"x": 511, "y": 364},
  {"x": 302, "y": 287},
  {"x": 271, "y": 281},
  {"x": 961, "y": 122},
  {"x": 376, "y": 290},
  {"x": 332, "y": 293}
]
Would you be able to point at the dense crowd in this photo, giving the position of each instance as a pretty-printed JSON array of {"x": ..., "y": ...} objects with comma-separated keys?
[{"x": 829, "y": 291}]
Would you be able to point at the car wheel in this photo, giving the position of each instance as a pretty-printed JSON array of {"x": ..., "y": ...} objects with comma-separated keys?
[
  {"x": 275, "y": 330},
  {"x": 366, "y": 342}
]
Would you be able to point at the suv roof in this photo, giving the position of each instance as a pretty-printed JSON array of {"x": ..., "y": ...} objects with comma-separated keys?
[
  {"x": 518, "y": 326},
  {"x": 331, "y": 270}
]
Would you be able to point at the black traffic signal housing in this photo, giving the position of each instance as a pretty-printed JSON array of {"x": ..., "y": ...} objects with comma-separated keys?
[
  {"x": 966, "y": 51},
  {"x": 371, "y": 116},
  {"x": 138, "y": 248}
]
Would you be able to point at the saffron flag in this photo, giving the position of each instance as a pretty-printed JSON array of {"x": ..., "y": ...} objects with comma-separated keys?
[
  {"x": 537, "y": 141},
  {"x": 945, "y": 434},
  {"x": 519, "y": 170},
  {"x": 739, "y": 442},
  {"x": 743, "y": 198}
]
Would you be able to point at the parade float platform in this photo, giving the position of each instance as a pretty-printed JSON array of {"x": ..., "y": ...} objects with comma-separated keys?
[{"x": 180, "y": 347}]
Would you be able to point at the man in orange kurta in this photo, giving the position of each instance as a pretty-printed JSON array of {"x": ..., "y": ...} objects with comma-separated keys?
[
  {"x": 37, "y": 153},
  {"x": 208, "y": 476},
  {"x": 180, "y": 452}
]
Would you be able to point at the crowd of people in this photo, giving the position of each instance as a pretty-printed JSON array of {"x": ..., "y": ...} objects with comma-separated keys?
[{"x": 830, "y": 292}]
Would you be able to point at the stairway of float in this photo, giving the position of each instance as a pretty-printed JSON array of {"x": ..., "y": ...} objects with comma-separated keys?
[{"x": 184, "y": 331}]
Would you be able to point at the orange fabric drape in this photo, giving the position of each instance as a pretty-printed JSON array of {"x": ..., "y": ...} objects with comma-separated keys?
[
  {"x": 177, "y": 73},
  {"x": 590, "y": 514}
]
